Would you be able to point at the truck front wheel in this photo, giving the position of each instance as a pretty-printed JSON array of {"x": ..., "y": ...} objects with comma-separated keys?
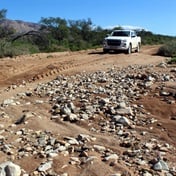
[
  {"x": 129, "y": 50},
  {"x": 138, "y": 48},
  {"x": 105, "y": 50}
]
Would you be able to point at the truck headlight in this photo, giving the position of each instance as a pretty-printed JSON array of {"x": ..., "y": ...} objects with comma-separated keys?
[
  {"x": 105, "y": 42},
  {"x": 124, "y": 41}
]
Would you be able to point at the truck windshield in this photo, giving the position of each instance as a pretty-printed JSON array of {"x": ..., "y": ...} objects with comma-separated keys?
[{"x": 121, "y": 33}]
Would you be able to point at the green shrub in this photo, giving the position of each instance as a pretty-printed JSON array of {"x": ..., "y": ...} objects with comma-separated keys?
[
  {"x": 168, "y": 50},
  {"x": 172, "y": 61},
  {"x": 8, "y": 49}
]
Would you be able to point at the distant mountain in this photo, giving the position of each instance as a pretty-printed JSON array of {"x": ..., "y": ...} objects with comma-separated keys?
[{"x": 19, "y": 26}]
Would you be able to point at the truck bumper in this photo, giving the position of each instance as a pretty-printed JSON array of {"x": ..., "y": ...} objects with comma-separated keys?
[
  {"x": 119, "y": 46},
  {"x": 107, "y": 47}
]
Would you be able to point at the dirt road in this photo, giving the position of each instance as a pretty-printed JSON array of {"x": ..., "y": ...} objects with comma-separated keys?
[
  {"x": 40, "y": 66},
  {"x": 24, "y": 73}
]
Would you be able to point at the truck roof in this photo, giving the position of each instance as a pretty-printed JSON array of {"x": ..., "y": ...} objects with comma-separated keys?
[
  {"x": 121, "y": 33},
  {"x": 124, "y": 30}
]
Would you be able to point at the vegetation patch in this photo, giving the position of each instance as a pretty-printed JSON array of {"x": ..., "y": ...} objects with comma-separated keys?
[
  {"x": 172, "y": 61},
  {"x": 57, "y": 34},
  {"x": 168, "y": 50},
  {"x": 9, "y": 49}
]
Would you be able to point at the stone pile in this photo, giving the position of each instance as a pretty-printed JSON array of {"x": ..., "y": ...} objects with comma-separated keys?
[{"x": 104, "y": 101}]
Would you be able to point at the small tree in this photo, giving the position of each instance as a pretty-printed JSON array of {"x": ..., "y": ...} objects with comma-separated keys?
[{"x": 3, "y": 13}]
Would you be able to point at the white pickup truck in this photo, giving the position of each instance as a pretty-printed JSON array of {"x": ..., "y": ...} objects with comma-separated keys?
[{"x": 122, "y": 40}]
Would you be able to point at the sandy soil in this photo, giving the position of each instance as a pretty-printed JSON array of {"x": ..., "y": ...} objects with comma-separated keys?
[{"x": 29, "y": 70}]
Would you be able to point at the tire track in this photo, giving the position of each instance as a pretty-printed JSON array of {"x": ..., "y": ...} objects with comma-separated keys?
[
  {"x": 53, "y": 72},
  {"x": 47, "y": 73}
]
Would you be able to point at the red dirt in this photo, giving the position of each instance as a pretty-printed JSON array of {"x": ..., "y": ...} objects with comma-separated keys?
[{"x": 30, "y": 70}]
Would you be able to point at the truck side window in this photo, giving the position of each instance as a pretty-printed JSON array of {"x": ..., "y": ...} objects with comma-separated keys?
[{"x": 133, "y": 34}]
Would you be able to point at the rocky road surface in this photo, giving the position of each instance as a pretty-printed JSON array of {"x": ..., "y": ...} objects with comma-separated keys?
[{"x": 88, "y": 114}]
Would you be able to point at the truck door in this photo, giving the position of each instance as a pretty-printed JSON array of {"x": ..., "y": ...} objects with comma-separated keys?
[{"x": 134, "y": 39}]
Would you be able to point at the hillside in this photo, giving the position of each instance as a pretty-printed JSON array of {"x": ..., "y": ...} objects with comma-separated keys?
[{"x": 19, "y": 26}]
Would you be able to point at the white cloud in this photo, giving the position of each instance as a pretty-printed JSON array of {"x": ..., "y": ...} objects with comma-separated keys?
[
  {"x": 132, "y": 27},
  {"x": 126, "y": 27}
]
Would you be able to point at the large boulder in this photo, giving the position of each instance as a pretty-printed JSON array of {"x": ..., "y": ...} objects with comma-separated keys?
[{"x": 9, "y": 169}]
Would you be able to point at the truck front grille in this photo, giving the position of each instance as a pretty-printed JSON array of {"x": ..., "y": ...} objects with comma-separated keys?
[{"x": 114, "y": 42}]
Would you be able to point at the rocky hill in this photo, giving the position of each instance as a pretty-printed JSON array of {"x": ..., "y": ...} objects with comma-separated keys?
[{"x": 19, "y": 26}]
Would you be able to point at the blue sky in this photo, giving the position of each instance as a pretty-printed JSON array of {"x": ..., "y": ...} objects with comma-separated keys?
[{"x": 158, "y": 16}]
